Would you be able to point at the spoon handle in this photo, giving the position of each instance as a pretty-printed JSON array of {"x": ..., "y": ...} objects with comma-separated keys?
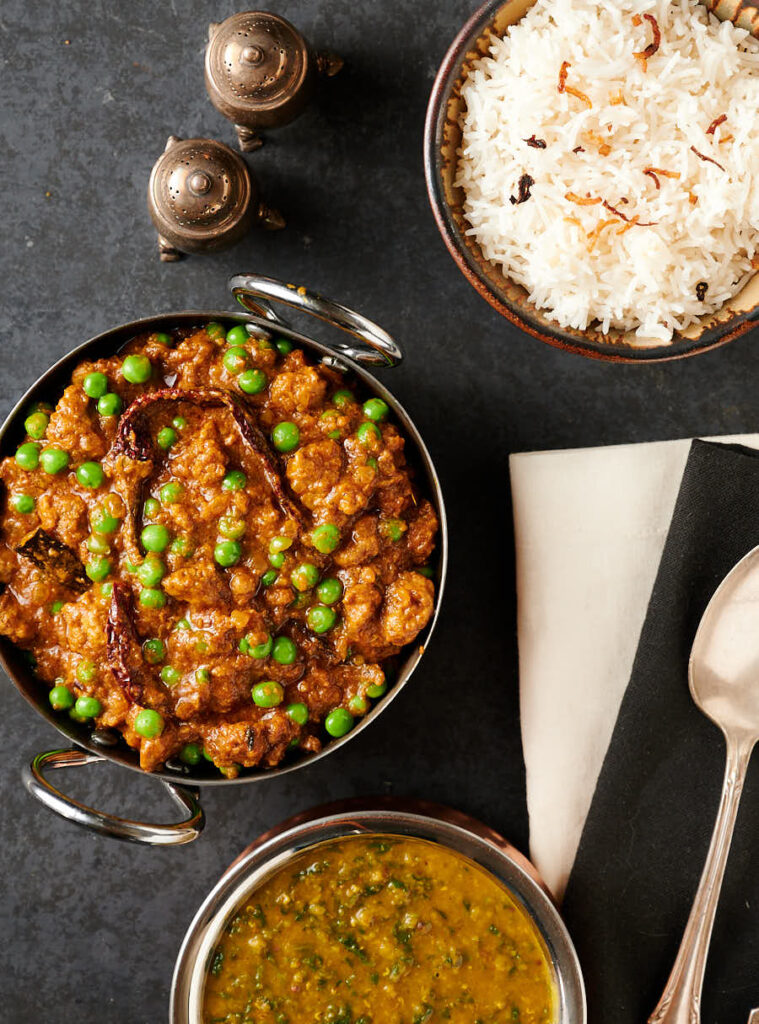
[{"x": 681, "y": 1000}]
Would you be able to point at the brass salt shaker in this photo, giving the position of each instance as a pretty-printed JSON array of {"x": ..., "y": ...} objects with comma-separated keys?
[
  {"x": 202, "y": 197},
  {"x": 261, "y": 73}
]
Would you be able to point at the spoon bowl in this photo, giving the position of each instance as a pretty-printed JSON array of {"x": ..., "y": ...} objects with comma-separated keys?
[{"x": 723, "y": 671}]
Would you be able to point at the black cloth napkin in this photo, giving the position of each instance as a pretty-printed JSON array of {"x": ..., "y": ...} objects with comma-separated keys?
[{"x": 647, "y": 833}]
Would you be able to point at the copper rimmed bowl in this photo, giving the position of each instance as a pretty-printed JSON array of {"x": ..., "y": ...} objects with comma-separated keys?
[
  {"x": 273, "y": 851},
  {"x": 442, "y": 139},
  {"x": 367, "y": 345}
]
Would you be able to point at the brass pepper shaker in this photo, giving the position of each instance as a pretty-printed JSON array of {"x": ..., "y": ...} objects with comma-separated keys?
[
  {"x": 261, "y": 72},
  {"x": 202, "y": 197}
]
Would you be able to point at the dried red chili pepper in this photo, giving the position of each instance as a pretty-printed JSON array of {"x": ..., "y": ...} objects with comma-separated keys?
[{"x": 124, "y": 653}]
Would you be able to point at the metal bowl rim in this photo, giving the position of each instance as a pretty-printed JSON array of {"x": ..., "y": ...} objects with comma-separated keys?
[{"x": 412, "y": 658}]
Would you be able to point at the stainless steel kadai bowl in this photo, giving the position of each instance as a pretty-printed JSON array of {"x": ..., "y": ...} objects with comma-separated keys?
[
  {"x": 368, "y": 345},
  {"x": 452, "y": 829}
]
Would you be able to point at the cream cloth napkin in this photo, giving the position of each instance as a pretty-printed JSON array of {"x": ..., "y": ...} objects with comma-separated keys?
[{"x": 590, "y": 526}]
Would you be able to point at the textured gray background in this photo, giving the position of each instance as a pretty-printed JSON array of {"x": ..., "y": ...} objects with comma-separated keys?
[{"x": 91, "y": 927}]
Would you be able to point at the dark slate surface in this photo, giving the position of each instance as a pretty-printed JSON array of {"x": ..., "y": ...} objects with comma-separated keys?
[{"x": 91, "y": 927}]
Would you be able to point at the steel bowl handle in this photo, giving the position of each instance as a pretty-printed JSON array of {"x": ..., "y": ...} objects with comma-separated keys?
[
  {"x": 256, "y": 293},
  {"x": 107, "y": 824}
]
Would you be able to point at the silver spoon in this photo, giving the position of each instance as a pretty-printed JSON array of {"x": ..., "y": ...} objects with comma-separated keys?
[{"x": 723, "y": 674}]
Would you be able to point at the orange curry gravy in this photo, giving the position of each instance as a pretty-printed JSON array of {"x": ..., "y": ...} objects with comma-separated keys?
[
  {"x": 213, "y": 546},
  {"x": 380, "y": 930}
]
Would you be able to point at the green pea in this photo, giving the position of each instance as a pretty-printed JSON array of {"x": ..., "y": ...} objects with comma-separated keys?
[
  {"x": 98, "y": 545},
  {"x": 280, "y": 543},
  {"x": 343, "y": 397},
  {"x": 243, "y": 645},
  {"x": 235, "y": 480},
  {"x": 151, "y": 508},
  {"x": 301, "y": 600},
  {"x": 320, "y": 618},
  {"x": 376, "y": 689},
  {"x": 151, "y": 597},
  {"x": 325, "y": 538},
  {"x": 191, "y": 754},
  {"x": 98, "y": 569},
  {"x": 181, "y": 546},
  {"x": 167, "y": 437},
  {"x": 151, "y": 571},
  {"x": 283, "y": 346},
  {"x": 215, "y": 330},
  {"x": 285, "y": 436},
  {"x": 106, "y": 589},
  {"x": 130, "y": 567},
  {"x": 28, "y": 455},
  {"x": 369, "y": 435},
  {"x": 284, "y": 650},
  {"x": 231, "y": 528},
  {"x": 227, "y": 552},
  {"x": 109, "y": 405},
  {"x": 45, "y": 407},
  {"x": 207, "y": 756},
  {"x": 203, "y": 676},
  {"x": 53, "y": 460},
  {"x": 375, "y": 409},
  {"x": 75, "y": 716},
  {"x": 304, "y": 576},
  {"x": 23, "y": 503},
  {"x": 182, "y": 624},
  {"x": 358, "y": 705},
  {"x": 267, "y": 694},
  {"x": 163, "y": 339},
  {"x": 171, "y": 492},
  {"x": 427, "y": 571},
  {"x": 252, "y": 382},
  {"x": 179, "y": 423},
  {"x": 104, "y": 522},
  {"x": 95, "y": 385},
  {"x": 90, "y": 474},
  {"x": 61, "y": 698},
  {"x": 330, "y": 590},
  {"x": 298, "y": 713},
  {"x": 36, "y": 425},
  {"x": 236, "y": 360},
  {"x": 88, "y": 707},
  {"x": 262, "y": 650},
  {"x": 269, "y": 577},
  {"x": 154, "y": 537},
  {"x": 170, "y": 675},
  {"x": 148, "y": 723},
  {"x": 277, "y": 559},
  {"x": 334, "y": 435},
  {"x": 338, "y": 722},
  {"x": 85, "y": 671},
  {"x": 371, "y": 461},
  {"x": 136, "y": 369},
  {"x": 237, "y": 335},
  {"x": 154, "y": 651},
  {"x": 394, "y": 529},
  {"x": 55, "y": 607}
]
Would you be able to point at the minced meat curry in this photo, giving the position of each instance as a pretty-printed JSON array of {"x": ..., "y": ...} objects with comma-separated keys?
[
  {"x": 211, "y": 545},
  {"x": 380, "y": 930}
]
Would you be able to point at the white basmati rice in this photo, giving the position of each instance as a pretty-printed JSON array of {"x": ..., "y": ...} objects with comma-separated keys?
[{"x": 650, "y": 114}]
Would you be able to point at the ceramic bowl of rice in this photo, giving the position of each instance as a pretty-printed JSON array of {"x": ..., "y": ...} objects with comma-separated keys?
[{"x": 594, "y": 171}]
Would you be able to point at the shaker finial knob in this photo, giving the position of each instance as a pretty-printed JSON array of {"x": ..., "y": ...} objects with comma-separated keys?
[
  {"x": 201, "y": 197},
  {"x": 261, "y": 73}
]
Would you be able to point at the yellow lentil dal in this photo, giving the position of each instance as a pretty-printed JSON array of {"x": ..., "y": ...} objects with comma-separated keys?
[{"x": 380, "y": 930}]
